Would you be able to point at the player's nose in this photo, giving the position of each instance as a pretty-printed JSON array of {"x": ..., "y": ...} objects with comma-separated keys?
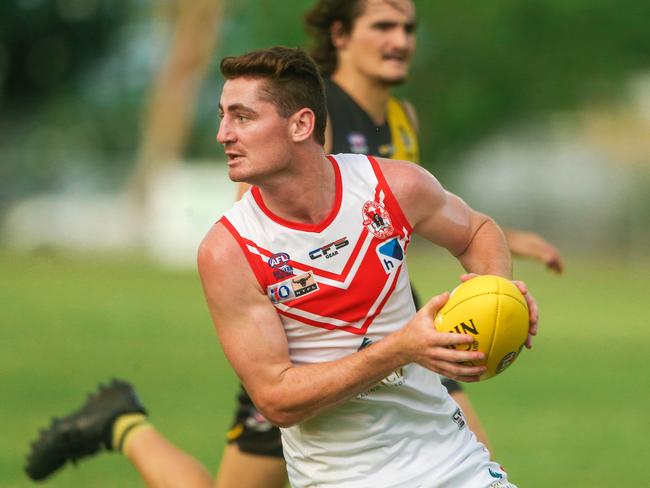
[
  {"x": 225, "y": 133},
  {"x": 402, "y": 38}
]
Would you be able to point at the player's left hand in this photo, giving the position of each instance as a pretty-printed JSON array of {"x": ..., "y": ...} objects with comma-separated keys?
[
  {"x": 534, "y": 246},
  {"x": 533, "y": 309}
]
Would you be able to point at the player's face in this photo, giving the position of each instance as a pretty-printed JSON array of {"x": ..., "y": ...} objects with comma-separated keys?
[
  {"x": 254, "y": 135},
  {"x": 382, "y": 40}
]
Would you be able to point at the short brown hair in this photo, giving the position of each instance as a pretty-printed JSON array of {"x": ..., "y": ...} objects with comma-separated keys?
[
  {"x": 318, "y": 23},
  {"x": 292, "y": 81}
]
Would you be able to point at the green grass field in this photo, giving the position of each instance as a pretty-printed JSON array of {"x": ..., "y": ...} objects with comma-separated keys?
[{"x": 573, "y": 412}]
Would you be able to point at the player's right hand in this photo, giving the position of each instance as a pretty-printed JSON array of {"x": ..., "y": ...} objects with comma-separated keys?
[{"x": 424, "y": 345}]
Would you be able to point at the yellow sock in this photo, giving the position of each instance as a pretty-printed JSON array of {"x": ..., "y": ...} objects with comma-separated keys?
[{"x": 125, "y": 426}]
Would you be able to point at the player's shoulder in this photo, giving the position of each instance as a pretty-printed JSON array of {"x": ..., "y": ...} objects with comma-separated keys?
[
  {"x": 411, "y": 184},
  {"x": 396, "y": 169},
  {"x": 219, "y": 249}
]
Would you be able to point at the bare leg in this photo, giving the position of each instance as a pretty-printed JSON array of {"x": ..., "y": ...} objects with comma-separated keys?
[
  {"x": 242, "y": 470},
  {"x": 162, "y": 465}
]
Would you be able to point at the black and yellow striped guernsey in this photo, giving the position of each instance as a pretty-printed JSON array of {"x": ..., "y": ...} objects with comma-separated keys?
[{"x": 354, "y": 132}]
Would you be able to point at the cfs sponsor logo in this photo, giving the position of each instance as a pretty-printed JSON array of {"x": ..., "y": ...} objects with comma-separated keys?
[
  {"x": 292, "y": 288},
  {"x": 390, "y": 254},
  {"x": 459, "y": 419},
  {"x": 377, "y": 220},
  {"x": 280, "y": 264},
  {"x": 330, "y": 250}
]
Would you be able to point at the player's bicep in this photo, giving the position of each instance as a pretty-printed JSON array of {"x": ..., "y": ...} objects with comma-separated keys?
[
  {"x": 247, "y": 324},
  {"x": 450, "y": 223},
  {"x": 436, "y": 214}
]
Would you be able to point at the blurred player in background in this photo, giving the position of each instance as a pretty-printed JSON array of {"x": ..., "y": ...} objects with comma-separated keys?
[
  {"x": 360, "y": 404},
  {"x": 363, "y": 49}
]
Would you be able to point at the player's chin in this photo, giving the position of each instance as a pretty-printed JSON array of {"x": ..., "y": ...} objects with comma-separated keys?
[
  {"x": 236, "y": 177},
  {"x": 394, "y": 80},
  {"x": 237, "y": 174}
]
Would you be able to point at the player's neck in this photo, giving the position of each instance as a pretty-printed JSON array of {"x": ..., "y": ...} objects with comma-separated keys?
[
  {"x": 370, "y": 94},
  {"x": 305, "y": 193}
]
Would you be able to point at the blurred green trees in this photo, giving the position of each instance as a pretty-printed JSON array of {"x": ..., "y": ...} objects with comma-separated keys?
[
  {"x": 74, "y": 73},
  {"x": 481, "y": 65}
]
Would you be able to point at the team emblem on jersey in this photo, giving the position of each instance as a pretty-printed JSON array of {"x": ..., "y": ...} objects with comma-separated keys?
[
  {"x": 280, "y": 264},
  {"x": 357, "y": 142},
  {"x": 390, "y": 254},
  {"x": 377, "y": 220},
  {"x": 292, "y": 288}
]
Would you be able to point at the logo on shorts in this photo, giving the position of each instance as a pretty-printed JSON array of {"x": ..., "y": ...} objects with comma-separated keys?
[
  {"x": 292, "y": 288},
  {"x": 495, "y": 474},
  {"x": 257, "y": 422},
  {"x": 377, "y": 220},
  {"x": 280, "y": 264},
  {"x": 501, "y": 484},
  {"x": 459, "y": 418}
]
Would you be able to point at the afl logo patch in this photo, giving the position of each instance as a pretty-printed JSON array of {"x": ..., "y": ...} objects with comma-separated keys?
[
  {"x": 279, "y": 260},
  {"x": 280, "y": 264},
  {"x": 377, "y": 220}
]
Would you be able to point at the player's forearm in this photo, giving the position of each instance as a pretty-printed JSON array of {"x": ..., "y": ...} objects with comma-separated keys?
[
  {"x": 487, "y": 252},
  {"x": 303, "y": 391}
]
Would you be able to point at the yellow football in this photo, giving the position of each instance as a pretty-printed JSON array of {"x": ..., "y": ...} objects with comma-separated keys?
[{"x": 495, "y": 313}]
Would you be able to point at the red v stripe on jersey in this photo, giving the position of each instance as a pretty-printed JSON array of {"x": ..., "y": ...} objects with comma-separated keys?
[
  {"x": 338, "y": 197},
  {"x": 358, "y": 327},
  {"x": 341, "y": 277}
]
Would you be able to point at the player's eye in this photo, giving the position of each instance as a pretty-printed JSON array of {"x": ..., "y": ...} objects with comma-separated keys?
[{"x": 384, "y": 26}]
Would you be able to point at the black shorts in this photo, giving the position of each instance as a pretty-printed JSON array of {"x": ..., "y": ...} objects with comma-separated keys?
[{"x": 253, "y": 434}]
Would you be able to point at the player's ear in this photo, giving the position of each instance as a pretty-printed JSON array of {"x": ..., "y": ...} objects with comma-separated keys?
[
  {"x": 301, "y": 125},
  {"x": 338, "y": 35}
]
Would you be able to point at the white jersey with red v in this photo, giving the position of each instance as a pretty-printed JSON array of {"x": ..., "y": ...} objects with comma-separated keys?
[
  {"x": 337, "y": 280},
  {"x": 339, "y": 286}
]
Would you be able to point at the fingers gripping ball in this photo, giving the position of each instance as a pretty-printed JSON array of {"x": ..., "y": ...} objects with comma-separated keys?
[{"x": 495, "y": 313}]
